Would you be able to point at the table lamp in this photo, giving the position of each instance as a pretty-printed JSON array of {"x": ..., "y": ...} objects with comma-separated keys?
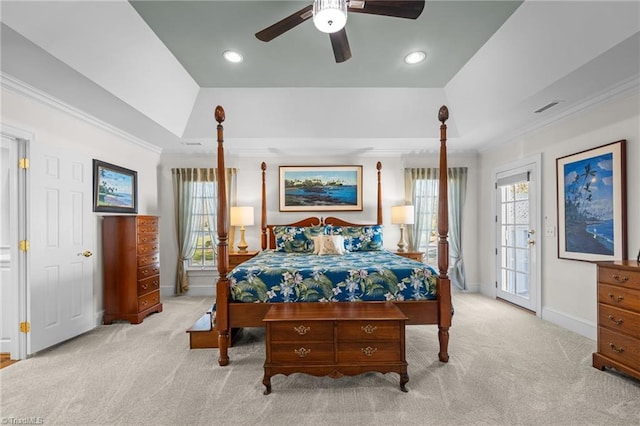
[
  {"x": 242, "y": 216},
  {"x": 402, "y": 215}
]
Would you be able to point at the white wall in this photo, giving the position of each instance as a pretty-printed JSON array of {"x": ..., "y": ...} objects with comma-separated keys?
[
  {"x": 568, "y": 287},
  {"x": 249, "y": 194},
  {"x": 50, "y": 125}
]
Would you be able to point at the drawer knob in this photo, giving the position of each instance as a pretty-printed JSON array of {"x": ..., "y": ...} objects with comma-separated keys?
[
  {"x": 369, "y": 329},
  {"x": 617, "y": 321},
  {"x": 613, "y": 347},
  {"x": 369, "y": 351},
  {"x": 302, "y": 352},
  {"x": 301, "y": 329},
  {"x": 145, "y": 286},
  {"x": 620, "y": 278},
  {"x": 617, "y": 299}
]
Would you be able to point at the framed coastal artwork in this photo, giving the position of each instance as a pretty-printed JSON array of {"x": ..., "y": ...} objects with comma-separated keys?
[
  {"x": 115, "y": 189},
  {"x": 592, "y": 219},
  {"x": 320, "y": 188}
]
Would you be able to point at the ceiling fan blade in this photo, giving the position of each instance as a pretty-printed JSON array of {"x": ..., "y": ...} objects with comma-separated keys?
[
  {"x": 285, "y": 24},
  {"x": 410, "y": 9},
  {"x": 340, "y": 44}
]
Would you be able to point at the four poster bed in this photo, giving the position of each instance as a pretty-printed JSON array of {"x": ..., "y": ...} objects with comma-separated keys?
[{"x": 328, "y": 260}]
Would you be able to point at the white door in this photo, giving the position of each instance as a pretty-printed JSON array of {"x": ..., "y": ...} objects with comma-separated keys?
[
  {"x": 61, "y": 246},
  {"x": 9, "y": 254},
  {"x": 517, "y": 226}
]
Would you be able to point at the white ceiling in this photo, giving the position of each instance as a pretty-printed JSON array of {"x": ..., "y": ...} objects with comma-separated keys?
[{"x": 153, "y": 69}]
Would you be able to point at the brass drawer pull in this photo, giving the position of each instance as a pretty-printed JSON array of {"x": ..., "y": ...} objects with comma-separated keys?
[
  {"x": 617, "y": 299},
  {"x": 613, "y": 346},
  {"x": 620, "y": 278},
  {"x": 369, "y": 329},
  {"x": 145, "y": 286},
  {"x": 369, "y": 351},
  {"x": 619, "y": 321},
  {"x": 302, "y": 352},
  {"x": 301, "y": 329}
]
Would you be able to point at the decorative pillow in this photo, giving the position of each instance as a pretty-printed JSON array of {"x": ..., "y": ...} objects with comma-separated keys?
[
  {"x": 359, "y": 238},
  {"x": 294, "y": 239},
  {"x": 330, "y": 244}
]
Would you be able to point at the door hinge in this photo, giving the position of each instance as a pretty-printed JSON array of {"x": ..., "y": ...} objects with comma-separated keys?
[
  {"x": 496, "y": 284},
  {"x": 24, "y": 245},
  {"x": 25, "y": 327},
  {"x": 23, "y": 163}
]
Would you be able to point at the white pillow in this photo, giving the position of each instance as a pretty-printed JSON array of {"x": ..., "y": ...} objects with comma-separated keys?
[
  {"x": 330, "y": 244},
  {"x": 317, "y": 244}
]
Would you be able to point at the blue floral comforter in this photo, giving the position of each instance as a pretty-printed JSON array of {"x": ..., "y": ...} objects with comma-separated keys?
[{"x": 356, "y": 276}]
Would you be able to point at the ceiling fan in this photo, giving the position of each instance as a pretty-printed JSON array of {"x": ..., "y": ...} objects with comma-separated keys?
[{"x": 330, "y": 16}]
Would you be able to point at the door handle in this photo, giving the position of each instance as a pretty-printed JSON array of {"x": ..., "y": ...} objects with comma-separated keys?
[
  {"x": 85, "y": 253},
  {"x": 531, "y": 242}
]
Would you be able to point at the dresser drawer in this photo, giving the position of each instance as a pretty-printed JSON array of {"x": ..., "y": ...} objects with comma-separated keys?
[
  {"x": 368, "y": 352},
  {"x": 621, "y": 297},
  {"x": 148, "y": 285},
  {"x": 619, "y": 347},
  {"x": 147, "y": 249},
  {"x": 148, "y": 238},
  {"x": 148, "y": 260},
  {"x": 148, "y": 300},
  {"x": 630, "y": 279},
  {"x": 148, "y": 271},
  {"x": 368, "y": 330},
  {"x": 303, "y": 331},
  {"x": 147, "y": 221},
  {"x": 307, "y": 352},
  {"x": 620, "y": 320}
]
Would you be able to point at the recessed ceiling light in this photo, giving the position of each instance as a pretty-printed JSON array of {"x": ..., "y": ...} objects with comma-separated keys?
[
  {"x": 415, "y": 57},
  {"x": 232, "y": 56}
]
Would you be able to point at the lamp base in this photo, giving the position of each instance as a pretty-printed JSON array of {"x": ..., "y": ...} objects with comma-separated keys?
[
  {"x": 242, "y": 245},
  {"x": 402, "y": 244}
]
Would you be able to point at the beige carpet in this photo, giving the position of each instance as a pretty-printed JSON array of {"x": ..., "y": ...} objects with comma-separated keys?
[{"x": 507, "y": 367}]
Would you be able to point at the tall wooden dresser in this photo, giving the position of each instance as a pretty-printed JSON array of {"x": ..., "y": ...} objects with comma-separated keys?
[
  {"x": 131, "y": 257},
  {"x": 619, "y": 317}
]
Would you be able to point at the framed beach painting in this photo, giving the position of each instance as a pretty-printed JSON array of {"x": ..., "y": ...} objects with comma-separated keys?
[
  {"x": 592, "y": 219},
  {"x": 115, "y": 189},
  {"x": 320, "y": 188}
]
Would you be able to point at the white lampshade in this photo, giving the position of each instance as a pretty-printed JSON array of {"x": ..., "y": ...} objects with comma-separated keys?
[
  {"x": 329, "y": 16},
  {"x": 402, "y": 215},
  {"x": 241, "y": 216}
]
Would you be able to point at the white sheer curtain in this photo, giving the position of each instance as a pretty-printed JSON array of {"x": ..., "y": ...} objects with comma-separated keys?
[
  {"x": 421, "y": 190},
  {"x": 187, "y": 189}
]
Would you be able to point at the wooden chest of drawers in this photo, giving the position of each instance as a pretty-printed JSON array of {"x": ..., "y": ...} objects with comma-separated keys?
[
  {"x": 236, "y": 258},
  {"x": 619, "y": 317},
  {"x": 131, "y": 263},
  {"x": 334, "y": 339}
]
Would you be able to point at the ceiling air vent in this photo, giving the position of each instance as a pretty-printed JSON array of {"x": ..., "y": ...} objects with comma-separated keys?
[
  {"x": 546, "y": 107},
  {"x": 192, "y": 143}
]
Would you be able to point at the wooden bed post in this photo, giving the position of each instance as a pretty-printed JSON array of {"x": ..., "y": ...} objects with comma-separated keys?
[
  {"x": 263, "y": 166},
  {"x": 222, "y": 288},
  {"x": 443, "y": 286},
  {"x": 379, "y": 168}
]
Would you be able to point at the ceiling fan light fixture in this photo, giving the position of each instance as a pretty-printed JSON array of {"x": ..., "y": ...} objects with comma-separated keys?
[
  {"x": 329, "y": 16},
  {"x": 415, "y": 57},
  {"x": 232, "y": 56}
]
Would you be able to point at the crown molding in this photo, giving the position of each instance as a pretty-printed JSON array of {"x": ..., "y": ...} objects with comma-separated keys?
[{"x": 13, "y": 84}]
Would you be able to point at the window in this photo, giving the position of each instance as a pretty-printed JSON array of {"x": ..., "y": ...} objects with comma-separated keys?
[
  {"x": 204, "y": 215},
  {"x": 426, "y": 198}
]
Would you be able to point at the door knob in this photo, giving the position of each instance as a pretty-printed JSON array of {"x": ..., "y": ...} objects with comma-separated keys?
[
  {"x": 531, "y": 242},
  {"x": 85, "y": 253}
]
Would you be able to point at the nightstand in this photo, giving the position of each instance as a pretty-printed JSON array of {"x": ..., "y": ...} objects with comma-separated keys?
[
  {"x": 415, "y": 255},
  {"x": 236, "y": 258}
]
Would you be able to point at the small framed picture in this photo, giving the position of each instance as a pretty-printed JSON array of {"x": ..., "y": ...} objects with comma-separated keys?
[
  {"x": 592, "y": 209},
  {"x": 320, "y": 188},
  {"x": 115, "y": 189}
]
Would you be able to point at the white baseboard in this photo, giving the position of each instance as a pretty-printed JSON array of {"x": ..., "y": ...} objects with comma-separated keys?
[
  {"x": 99, "y": 317},
  {"x": 571, "y": 323}
]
